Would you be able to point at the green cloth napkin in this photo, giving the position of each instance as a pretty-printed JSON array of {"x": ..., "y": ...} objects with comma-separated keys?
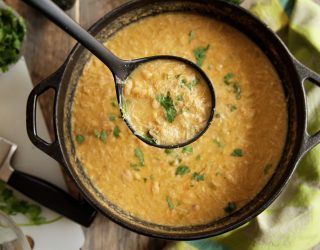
[{"x": 292, "y": 222}]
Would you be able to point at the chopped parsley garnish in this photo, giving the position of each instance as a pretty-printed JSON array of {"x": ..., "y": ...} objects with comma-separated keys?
[
  {"x": 197, "y": 176},
  {"x": 267, "y": 168},
  {"x": 228, "y": 78},
  {"x": 185, "y": 110},
  {"x": 182, "y": 170},
  {"x": 237, "y": 152},
  {"x": 12, "y": 33},
  {"x": 139, "y": 154},
  {"x": 231, "y": 207},
  {"x": 179, "y": 98},
  {"x": 116, "y": 132},
  {"x": 187, "y": 149},
  {"x": 233, "y": 108},
  {"x": 168, "y": 151},
  {"x": 200, "y": 54},
  {"x": 191, "y": 35},
  {"x": 80, "y": 138},
  {"x": 218, "y": 142},
  {"x": 112, "y": 117},
  {"x": 167, "y": 103},
  {"x": 170, "y": 203},
  {"x": 101, "y": 135},
  {"x": 191, "y": 84},
  {"x": 230, "y": 81}
]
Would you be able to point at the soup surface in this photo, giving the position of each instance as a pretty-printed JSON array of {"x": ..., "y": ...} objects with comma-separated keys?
[
  {"x": 178, "y": 100},
  {"x": 217, "y": 174}
]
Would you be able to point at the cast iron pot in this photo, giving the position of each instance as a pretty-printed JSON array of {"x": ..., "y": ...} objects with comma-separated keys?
[{"x": 64, "y": 82}]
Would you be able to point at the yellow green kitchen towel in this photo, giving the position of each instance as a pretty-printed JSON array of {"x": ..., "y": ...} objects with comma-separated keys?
[{"x": 292, "y": 222}]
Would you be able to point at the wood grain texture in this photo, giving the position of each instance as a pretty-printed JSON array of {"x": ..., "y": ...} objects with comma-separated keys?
[{"x": 46, "y": 48}]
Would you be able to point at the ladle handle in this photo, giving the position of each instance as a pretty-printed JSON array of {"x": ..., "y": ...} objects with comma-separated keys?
[{"x": 56, "y": 15}]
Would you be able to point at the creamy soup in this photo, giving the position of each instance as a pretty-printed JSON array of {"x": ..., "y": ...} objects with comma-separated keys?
[
  {"x": 167, "y": 101},
  {"x": 212, "y": 177}
]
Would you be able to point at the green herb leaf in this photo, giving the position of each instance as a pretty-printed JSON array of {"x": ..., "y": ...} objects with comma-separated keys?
[
  {"x": 237, "y": 152},
  {"x": 197, "y": 176},
  {"x": 167, "y": 103},
  {"x": 80, "y": 138},
  {"x": 150, "y": 138},
  {"x": 103, "y": 136},
  {"x": 191, "y": 35},
  {"x": 168, "y": 151},
  {"x": 170, "y": 203},
  {"x": 187, "y": 149},
  {"x": 139, "y": 154},
  {"x": 233, "y": 108},
  {"x": 116, "y": 132},
  {"x": 191, "y": 84},
  {"x": 228, "y": 78},
  {"x": 200, "y": 54},
  {"x": 267, "y": 168},
  {"x": 112, "y": 117},
  {"x": 179, "y": 98},
  {"x": 12, "y": 33},
  {"x": 231, "y": 207},
  {"x": 182, "y": 170},
  {"x": 237, "y": 90}
]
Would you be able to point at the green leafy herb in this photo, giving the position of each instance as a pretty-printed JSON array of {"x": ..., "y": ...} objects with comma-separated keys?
[
  {"x": 167, "y": 103},
  {"x": 168, "y": 151},
  {"x": 228, "y": 78},
  {"x": 80, "y": 138},
  {"x": 237, "y": 152},
  {"x": 170, "y": 203},
  {"x": 182, "y": 170},
  {"x": 12, "y": 205},
  {"x": 179, "y": 98},
  {"x": 231, "y": 207},
  {"x": 197, "y": 176},
  {"x": 233, "y": 108},
  {"x": 230, "y": 81},
  {"x": 218, "y": 142},
  {"x": 116, "y": 132},
  {"x": 187, "y": 149},
  {"x": 112, "y": 117},
  {"x": 178, "y": 76},
  {"x": 12, "y": 33},
  {"x": 114, "y": 102},
  {"x": 200, "y": 54},
  {"x": 103, "y": 136},
  {"x": 267, "y": 168},
  {"x": 185, "y": 110},
  {"x": 191, "y": 84},
  {"x": 139, "y": 154},
  {"x": 191, "y": 35}
]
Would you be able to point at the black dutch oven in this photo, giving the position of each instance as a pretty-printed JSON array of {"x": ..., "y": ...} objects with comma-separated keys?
[{"x": 64, "y": 82}]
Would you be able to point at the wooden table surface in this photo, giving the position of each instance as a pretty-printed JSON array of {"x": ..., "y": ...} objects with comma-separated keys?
[{"x": 45, "y": 50}]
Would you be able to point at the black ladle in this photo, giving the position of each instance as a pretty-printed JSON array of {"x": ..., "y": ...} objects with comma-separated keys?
[{"x": 120, "y": 69}]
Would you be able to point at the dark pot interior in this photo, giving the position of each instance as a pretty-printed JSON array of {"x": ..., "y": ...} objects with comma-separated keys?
[{"x": 244, "y": 22}]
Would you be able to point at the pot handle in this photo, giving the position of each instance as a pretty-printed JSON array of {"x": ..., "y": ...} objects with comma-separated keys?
[
  {"x": 53, "y": 82},
  {"x": 310, "y": 141}
]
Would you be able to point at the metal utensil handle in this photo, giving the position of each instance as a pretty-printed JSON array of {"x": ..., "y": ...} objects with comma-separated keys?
[
  {"x": 307, "y": 74},
  {"x": 52, "y": 149},
  {"x": 53, "y": 198}
]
